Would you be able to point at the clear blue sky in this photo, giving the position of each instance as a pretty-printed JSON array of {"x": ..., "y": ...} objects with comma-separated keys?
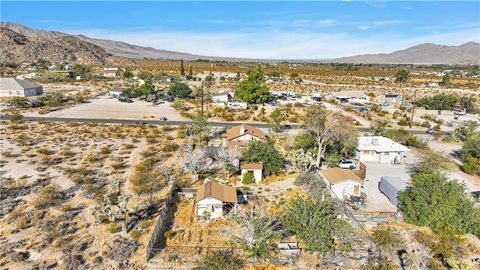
[{"x": 259, "y": 29}]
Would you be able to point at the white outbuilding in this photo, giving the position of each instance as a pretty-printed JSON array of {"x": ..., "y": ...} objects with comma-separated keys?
[
  {"x": 343, "y": 183},
  {"x": 255, "y": 169},
  {"x": 380, "y": 149},
  {"x": 214, "y": 200}
]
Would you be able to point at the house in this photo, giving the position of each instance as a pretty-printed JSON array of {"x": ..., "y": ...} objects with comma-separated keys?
[
  {"x": 348, "y": 97},
  {"x": 380, "y": 149},
  {"x": 221, "y": 99},
  {"x": 115, "y": 92},
  {"x": 11, "y": 87},
  {"x": 237, "y": 105},
  {"x": 343, "y": 183},
  {"x": 239, "y": 136},
  {"x": 381, "y": 78},
  {"x": 390, "y": 100},
  {"x": 111, "y": 72},
  {"x": 214, "y": 200},
  {"x": 256, "y": 169}
]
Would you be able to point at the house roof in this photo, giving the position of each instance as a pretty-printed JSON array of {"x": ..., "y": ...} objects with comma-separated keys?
[
  {"x": 379, "y": 144},
  {"x": 217, "y": 191},
  {"x": 16, "y": 84},
  {"x": 348, "y": 94},
  {"x": 236, "y": 132},
  {"x": 338, "y": 175},
  {"x": 251, "y": 166}
]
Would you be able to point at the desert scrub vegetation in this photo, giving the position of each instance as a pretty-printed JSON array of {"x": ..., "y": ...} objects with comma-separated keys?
[
  {"x": 148, "y": 177},
  {"x": 49, "y": 196}
]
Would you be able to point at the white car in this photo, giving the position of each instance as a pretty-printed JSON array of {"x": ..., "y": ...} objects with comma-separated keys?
[{"x": 347, "y": 164}]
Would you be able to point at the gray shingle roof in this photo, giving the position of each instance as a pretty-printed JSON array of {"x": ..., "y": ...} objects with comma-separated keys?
[{"x": 16, "y": 84}]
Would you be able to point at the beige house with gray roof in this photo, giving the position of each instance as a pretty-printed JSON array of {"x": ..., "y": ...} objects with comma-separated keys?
[{"x": 12, "y": 87}]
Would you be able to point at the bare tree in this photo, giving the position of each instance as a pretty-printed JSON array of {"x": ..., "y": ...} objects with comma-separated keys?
[{"x": 327, "y": 127}]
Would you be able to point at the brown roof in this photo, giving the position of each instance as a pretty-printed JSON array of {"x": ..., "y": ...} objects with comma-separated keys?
[
  {"x": 235, "y": 132},
  {"x": 252, "y": 166},
  {"x": 217, "y": 191},
  {"x": 338, "y": 175}
]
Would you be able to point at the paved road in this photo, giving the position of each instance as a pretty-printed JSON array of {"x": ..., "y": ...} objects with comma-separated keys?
[{"x": 168, "y": 123}]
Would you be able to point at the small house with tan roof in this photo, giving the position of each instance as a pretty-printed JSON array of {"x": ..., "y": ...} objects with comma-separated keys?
[
  {"x": 239, "y": 136},
  {"x": 343, "y": 183},
  {"x": 213, "y": 200},
  {"x": 256, "y": 169}
]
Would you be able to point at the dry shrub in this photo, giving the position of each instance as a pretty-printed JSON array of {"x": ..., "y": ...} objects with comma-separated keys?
[
  {"x": 147, "y": 178},
  {"x": 49, "y": 196}
]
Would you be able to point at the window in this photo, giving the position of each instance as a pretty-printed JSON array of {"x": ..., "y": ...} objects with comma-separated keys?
[
  {"x": 387, "y": 153},
  {"x": 366, "y": 152},
  {"x": 10, "y": 92}
]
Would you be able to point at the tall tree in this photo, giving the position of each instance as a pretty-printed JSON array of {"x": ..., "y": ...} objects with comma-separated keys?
[
  {"x": 190, "y": 71},
  {"x": 182, "y": 68},
  {"x": 328, "y": 127},
  {"x": 402, "y": 75},
  {"x": 253, "y": 89},
  {"x": 276, "y": 119}
]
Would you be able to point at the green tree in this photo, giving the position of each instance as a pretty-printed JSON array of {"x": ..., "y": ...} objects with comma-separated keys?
[
  {"x": 180, "y": 90},
  {"x": 402, "y": 75},
  {"x": 42, "y": 63},
  {"x": 199, "y": 125},
  {"x": 219, "y": 260},
  {"x": 315, "y": 223},
  {"x": 445, "y": 80},
  {"x": 80, "y": 70},
  {"x": 127, "y": 74},
  {"x": 182, "y": 68},
  {"x": 265, "y": 152},
  {"x": 145, "y": 75},
  {"x": 304, "y": 141},
  {"x": 145, "y": 89},
  {"x": 52, "y": 99},
  {"x": 433, "y": 201},
  {"x": 19, "y": 102},
  {"x": 190, "y": 71},
  {"x": 276, "y": 119},
  {"x": 248, "y": 178},
  {"x": 253, "y": 90},
  {"x": 470, "y": 154}
]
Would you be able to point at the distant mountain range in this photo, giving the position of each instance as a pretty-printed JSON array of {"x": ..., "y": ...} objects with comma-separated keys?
[{"x": 427, "y": 53}]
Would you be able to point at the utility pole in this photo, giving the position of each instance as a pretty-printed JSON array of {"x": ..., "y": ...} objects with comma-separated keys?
[{"x": 413, "y": 108}]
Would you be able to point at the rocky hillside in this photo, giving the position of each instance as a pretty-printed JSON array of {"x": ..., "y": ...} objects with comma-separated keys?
[
  {"x": 16, "y": 47},
  {"x": 428, "y": 53}
]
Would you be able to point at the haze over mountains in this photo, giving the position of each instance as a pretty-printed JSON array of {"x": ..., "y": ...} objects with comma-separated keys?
[{"x": 101, "y": 50}]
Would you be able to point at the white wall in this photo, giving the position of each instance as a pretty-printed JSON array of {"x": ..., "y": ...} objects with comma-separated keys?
[
  {"x": 214, "y": 206},
  {"x": 257, "y": 174},
  {"x": 382, "y": 157},
  {"x": 345, "y": 189}
]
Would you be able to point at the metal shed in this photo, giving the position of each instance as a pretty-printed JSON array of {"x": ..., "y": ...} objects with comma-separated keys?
[{"x": 391, "y": 186}]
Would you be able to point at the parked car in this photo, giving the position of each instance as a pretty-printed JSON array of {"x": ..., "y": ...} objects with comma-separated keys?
[
  {"x": 347, "y": 164},
  {"x": 432, "y": 130},
  {"x": 163, "y": 118},
  {"x": 125, "y": 99}
]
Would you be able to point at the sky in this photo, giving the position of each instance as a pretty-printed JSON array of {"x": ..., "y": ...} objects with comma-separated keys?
[{"x": 253, "y": 29}]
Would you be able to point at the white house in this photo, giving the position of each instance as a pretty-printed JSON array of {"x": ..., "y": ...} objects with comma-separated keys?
[
  {"x": 343, "y": 183},
  {"x": 380, "y": 150},
  {"x": 115, "y": 92},
  {"x": 12, "y": 87},
  {"x": 239, "y": 136},
  {"x": 390, "y": 100},
  {"x": 237, "y": 105},
  {"x": 254, "y": 168},
  {"x": 220, "y": 99},
  {"x": 214, "y": 200},
  {"x": 111, "y": 72},
  {"x": 348, "y": 97}
]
